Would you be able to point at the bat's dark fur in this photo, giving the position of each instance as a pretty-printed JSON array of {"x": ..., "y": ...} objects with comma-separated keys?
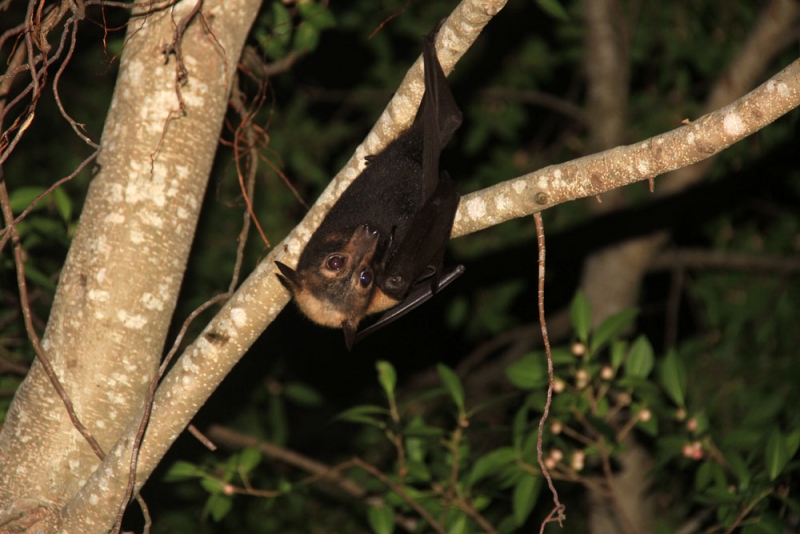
[{"x": 382, "y": 244}]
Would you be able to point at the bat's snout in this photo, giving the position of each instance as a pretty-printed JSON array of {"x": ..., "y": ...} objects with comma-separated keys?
[{"x": 365, "y": 240}]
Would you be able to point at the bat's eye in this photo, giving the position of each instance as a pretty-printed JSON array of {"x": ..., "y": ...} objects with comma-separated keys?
[
  {"x": 365, "y": 278},
  {"x": 335, "y": 262}
]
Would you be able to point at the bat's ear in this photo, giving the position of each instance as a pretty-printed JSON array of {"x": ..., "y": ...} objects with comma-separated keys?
[
  {"x": 349, "y": 329},
  {"x": 289, "y": 277}
]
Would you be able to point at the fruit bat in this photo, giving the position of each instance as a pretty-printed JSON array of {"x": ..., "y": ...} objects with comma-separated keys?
[{"x": 381, "y": 246}]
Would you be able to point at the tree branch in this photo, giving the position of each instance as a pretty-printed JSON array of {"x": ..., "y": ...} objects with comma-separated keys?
[{"x": 644, "y": 160}]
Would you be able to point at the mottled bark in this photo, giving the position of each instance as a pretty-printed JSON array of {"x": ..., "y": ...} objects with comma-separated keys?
[{"x": 119, "y": 285}]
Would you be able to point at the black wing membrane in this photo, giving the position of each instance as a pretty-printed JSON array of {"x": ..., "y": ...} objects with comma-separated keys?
[
  {"x": 422, "y": 249},
  {"x": 414, "y": 270},
  {"x": 419, "y": 294},
  {"x": 439, "y": 112}
]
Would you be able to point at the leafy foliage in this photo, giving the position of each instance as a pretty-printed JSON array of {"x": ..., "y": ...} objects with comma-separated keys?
[{"x": 607, "y": 401}]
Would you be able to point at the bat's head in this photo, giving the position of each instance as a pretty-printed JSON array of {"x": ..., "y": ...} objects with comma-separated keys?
[{"x": 335, "y": 285}]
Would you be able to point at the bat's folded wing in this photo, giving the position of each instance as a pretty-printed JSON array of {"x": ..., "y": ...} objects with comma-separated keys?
[
  {"x": 422, "y": 248},
  {"x": 419, "y": 294}
]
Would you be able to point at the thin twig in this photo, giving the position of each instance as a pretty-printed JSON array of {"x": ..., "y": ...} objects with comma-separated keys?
[
  {"x": 199, "y": 436},
  {"x": 77, "y": 128},
  {"x": 557, "y": 514},
  {"x": 538, "y": 98},
  {"x": 703, "y": 259},
  {"x": 374, "y": 471},
  {"x": 388, "y": 19},
  {"x": 476, "y": 515},
  {"x": 14, "y": 67},
  {"x": 149, "y": 4},
  {"x": 148, "y": 521},
  {"x": 247, "y": 186},
  {"x": 318, "y": 469}
]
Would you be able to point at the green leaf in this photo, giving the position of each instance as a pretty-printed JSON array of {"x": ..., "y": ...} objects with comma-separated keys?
[
  {"x": 777, "y": 454},
  {"x": 279, "y": 424},
  {"x": 673, "y": 378},
  {"x": 561, "y": 356},
  {"x": 702, "y": 477},
  {"x": 612, "y": 328},
  {"x": 717, "y": 496},
  {"x": 249, "y": 458},
  {"x": 415, "y": 449},
  {"x": 581, "y": 314},
  {"x": 457, "y": 313},
  {"x": 181, "y": 470},
  {"x": 709, "y": 474},
  {"x": 21, "y": 198},
  {"x": 459, "y": 526},
  {"x": 282, "y": 28},
  {"x": 491, "y": 463},
  {"x": 212, "y": 485},
  {"x": 285, "y": 486},
  {"x": 526, "y": 492},
  {"x": 416, "y": 446},
  {"x": 63, "y": 204},
  {"x": 507, "y": 526},
  {"x": 618, "y": 351},
  {"x": 792, "y": 443},
  {"x": 306, "y": 37},
  {"x": 520, "y": 425},
  {"x": 738, "y": 468},
  {"x": 361, "y": 414},
  {"x": 302, "y": 394},
  {"x": 381, "y": 519},
  {"x": 528, "y": 451},
  {"x": 317, "y": 15},
  {"x": 219, "y": 505},
  {"x": 453, "y": 385},
  {"x": 417, "y": 472},
  {"x": 640, "y": 358},
  {"x": 554, "y": 9},
  {"x": 275, "y": 42},
  {"x": 387, "y": 377},
  {"x": 529, "y": 372},
  {"x": 231, "y": 468},
  {"x": 38, "y": 277},
  {"x": 46, "y": 226},
  {"x": 765, "y": 523}
]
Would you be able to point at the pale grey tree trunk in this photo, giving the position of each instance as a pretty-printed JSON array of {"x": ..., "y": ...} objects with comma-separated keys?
[{"x": 118, "y": 288}]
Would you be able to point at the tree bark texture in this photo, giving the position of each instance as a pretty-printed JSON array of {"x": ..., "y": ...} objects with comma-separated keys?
[{"x": 120, "y": 282}]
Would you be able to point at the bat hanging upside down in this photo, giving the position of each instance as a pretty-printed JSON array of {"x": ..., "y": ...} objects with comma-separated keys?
[{"x": 381, "y": 246}]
